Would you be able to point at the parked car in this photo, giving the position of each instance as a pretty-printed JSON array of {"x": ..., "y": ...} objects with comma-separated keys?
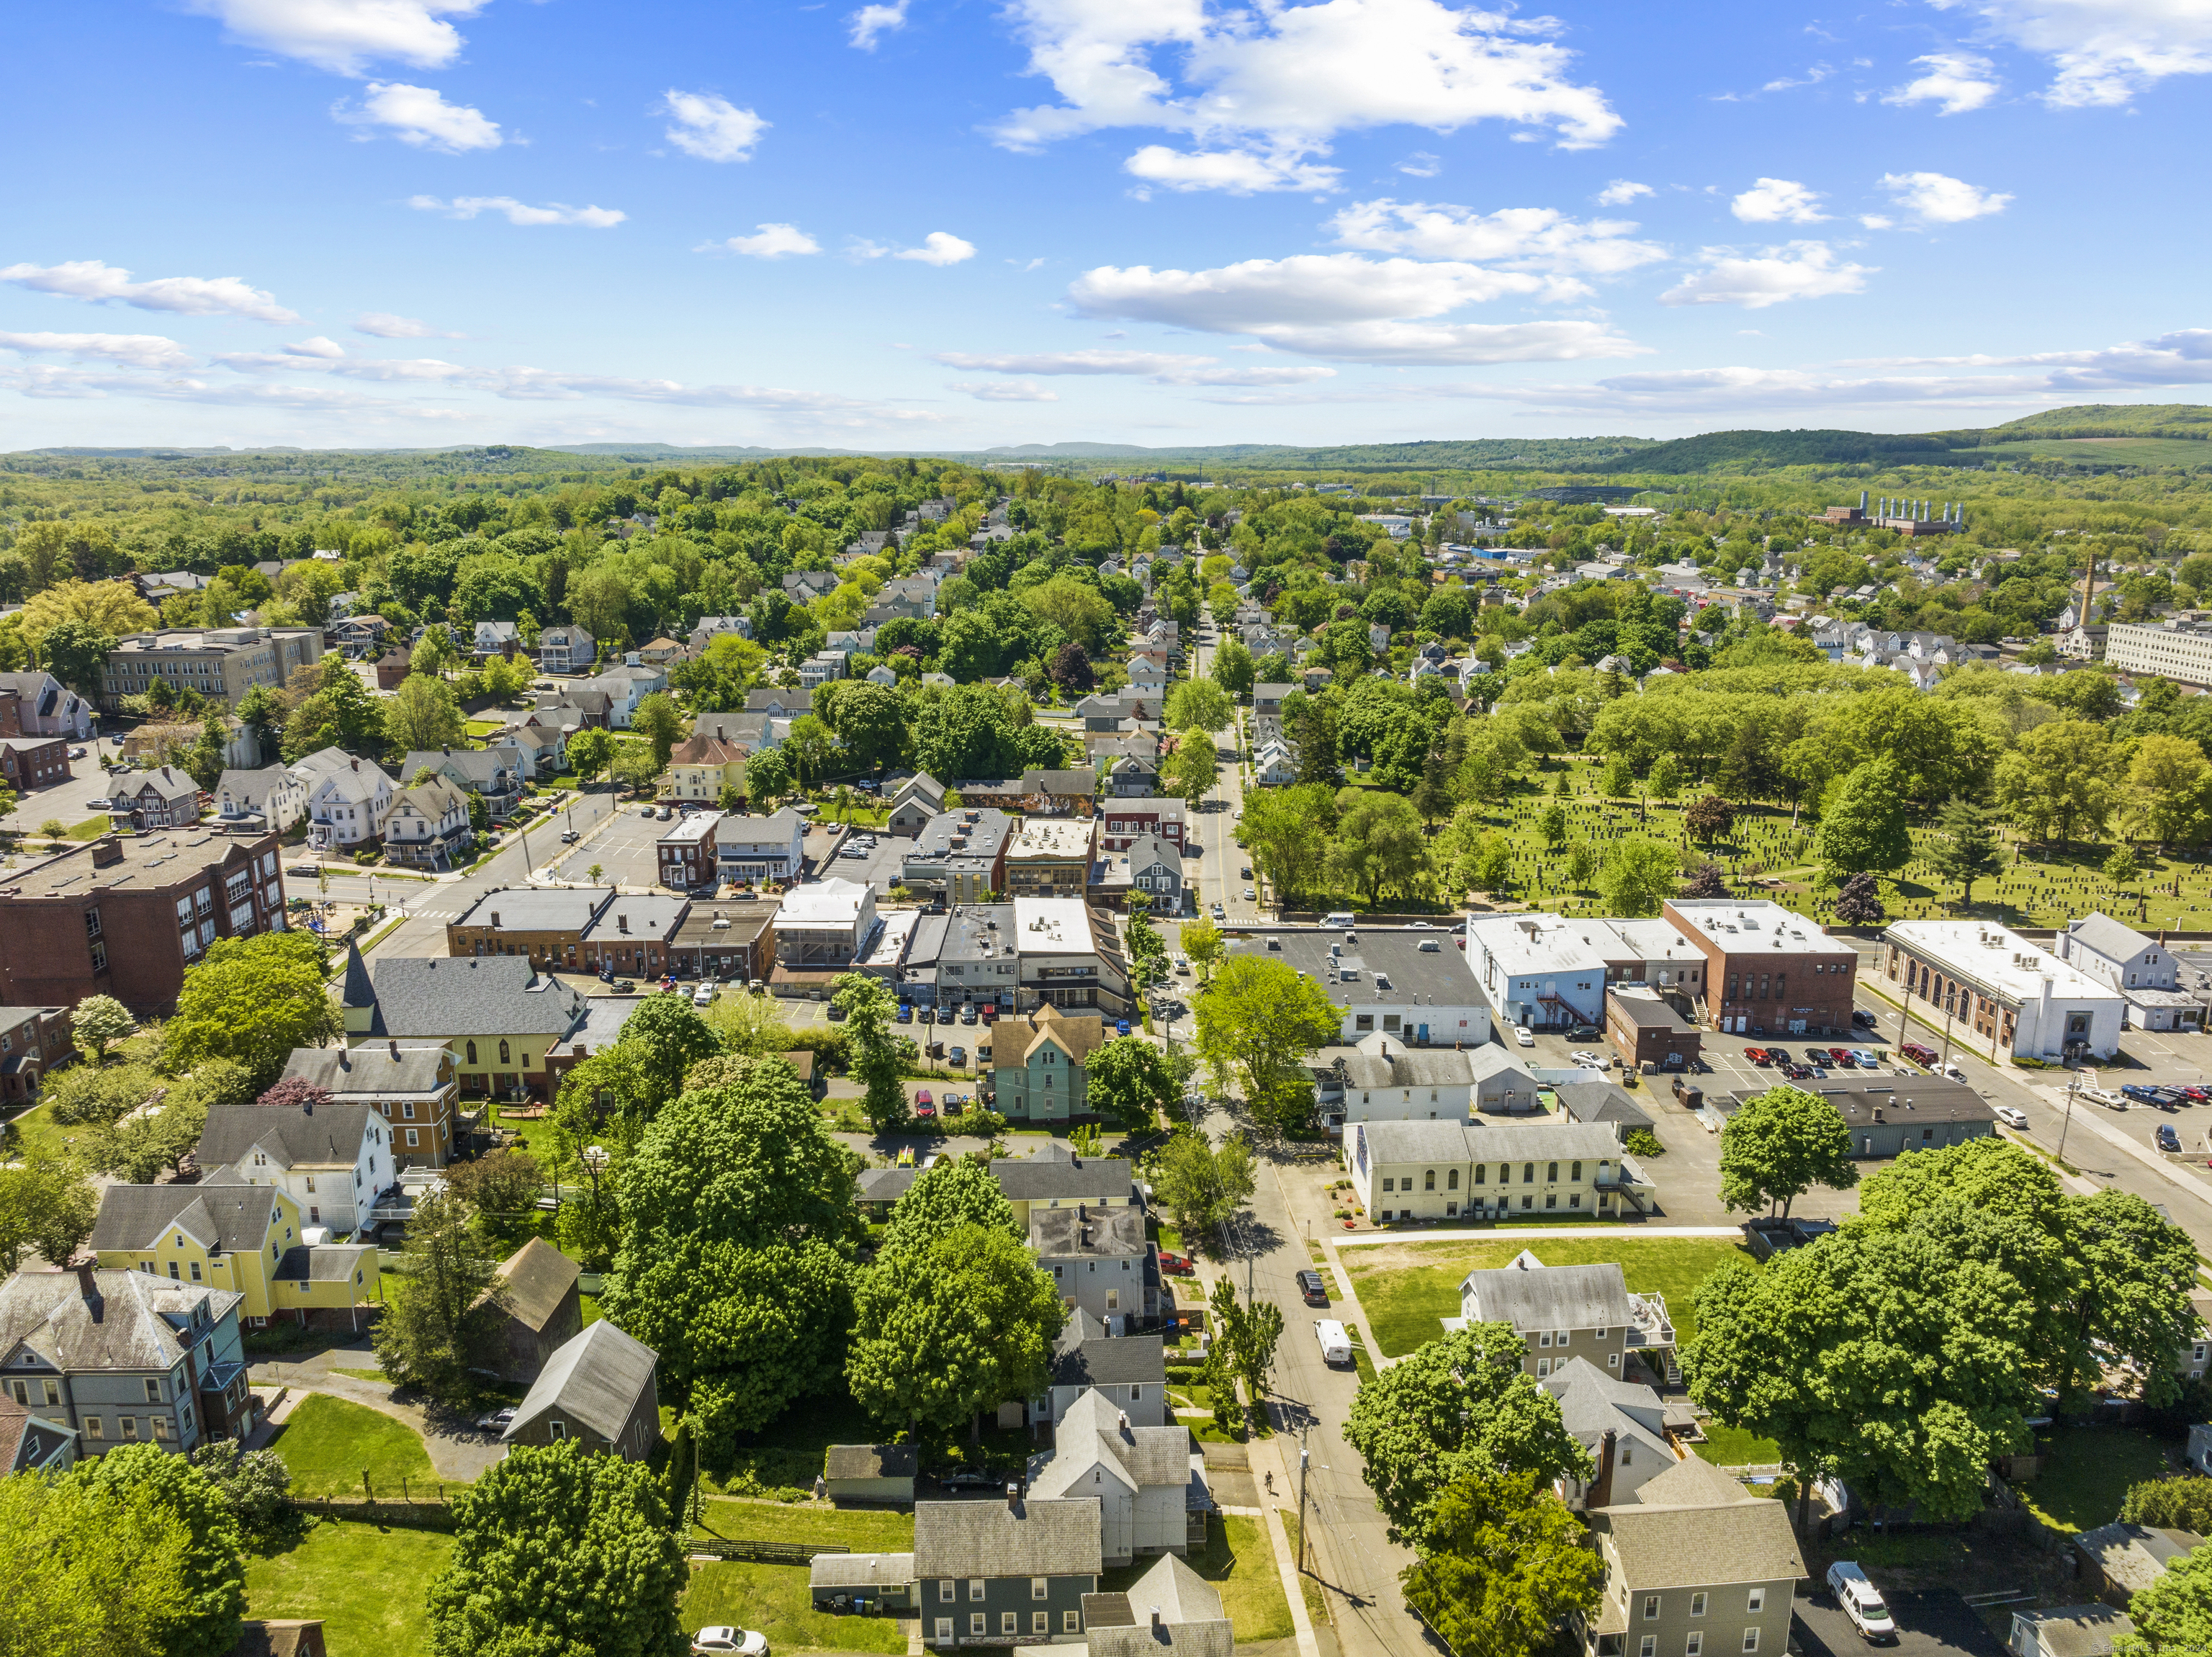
[
  {"x": 922, "y": 1097},
  {"x": 703, "y": 996},
  {"x": 1121, "y": 1026},
  {"x": 836, "y": 1012},
  {"x": 968, "y": 1015},
  {"x": 1335, "y": 1343},
  {"x": 722, "y": 1638},
  {"x": 905, "y": 1014},
  {"x": 1841, "y": 1057},
  {"x": 1861, "y": 1017},
  {"x": 1860, "y": 1601},
  {"x": 1524, "y": 1035},
  {"x": 1780, "y": 1054},
  {"x": 957, "y": 1057},
  {"x": 1243, "y": 874},
  {"x": 1179, "y": 1263},
  {"x": 644, "y": 811},
  {"x": 2167, "y": 1139},
  {"x": 1591, "y": 1060},
  {"x": 972, "y": 1478},
  {"x": 1918, "y": 1054},
  {"x": 569, "y": 837},
  {"x": 78, "y": 754},
  {"x": 1311, "y": 1287},
  {"x": 2194, "y": 1095},
  {"x": 1795, "y": 1072},
  {"x": 2148, "y": 1095},
  {"x": 1866, "y": 1057},
  {"x": 496, "y": 1422},
  {"x": 1759, "y": 1056},
  {"x": 1249, "y": 894},
  {"x": 2012, "y": 1116}
]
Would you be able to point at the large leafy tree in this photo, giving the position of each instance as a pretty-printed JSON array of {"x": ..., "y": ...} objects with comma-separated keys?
[
  {"x": 1258, "y": 1022},
  {"x": 2174, "y": 1612},
  {"x": 664, "y": 1039},
  {"x": 423, "y": 716},
  {"x": 735, "y": 1264},
  {"x": 1233, "y": 667},
  {"x": 867, "y": 1005},
  {"x": 1189, "y": 770},
  {"x": 98, "y": 1023},
  {"x": 1126, "y": 1081},
  {"x": 88, "y": 1568},
  {"x": 1507, "y": 1564},
  {"x": 1380, "y": 844},
  {"x": 1462, "y": 1404},
  {"x": 871, "y": 721},
  {"x": 1967, "y": 850},
  {"x": 558, "y": 1552},
  {"x": 45, "y": 1207},
  {"x": 75, "y": 652},
  {"x": 1201, "y": 1184},
  {"x": 1637, "y": 875},
  {"x": 953, "y": 1327},
  {"x": 252, "y": 1000},
  {"x": 1197, "y": 703},
  {"x": 211, "y": 1607},
  {"x": 2060, "y": 777},
  {"x": 1286, "y": 832},
  {"x": 660, "y": 722},
  {"x": 1862, "y": 821},
  {"x": 1781, "y": 1144},
  {"x": 1202, "y": 942},
  {"x": 958, "y": 1191},
  {"x": 441, "y": 1309}
]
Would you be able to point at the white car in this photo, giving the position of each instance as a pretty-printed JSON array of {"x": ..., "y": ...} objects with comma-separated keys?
[
  {"x": 1250, "y": 895},
  {"x": 2012, "y": 1116},
  {"x": 703, "y": 996},
  {"x": 1524, "y": 1035},
  {"x": 749, "y": 1643},
  {"x": 1591, "y": 1061},
  {"x": 1860, "y": 1601}
]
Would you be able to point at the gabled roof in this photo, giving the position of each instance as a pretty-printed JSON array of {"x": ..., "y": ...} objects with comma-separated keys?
[
  {"x": 1091, "y": 1445},
  {"x": 2114, "y": 939},
  {"x": 537, "y": 1278},
  {"x": 1694, "y": 1525},
  {"x": 1068, "y": 1177},
  {"x": 1104, "y": 1234},
  {"x": 437, "y": 996},
  {"x": 222, "y": 1215},
  {"x": 1169, "y": 1611},
  {"x": 304, "y": 1136},
  {"x": 998, "y": 1538},
  {"x": 252, "y": 787},
  {"x": 476, "y": 767},
  {"x": 595, "y": 1378},
  {"x": 1593, "y": 1404},
  {"x": 870, "y": 1461},
  {"x": 1550, "y": 1297},
  {"x": 1083, "y": 1354}
]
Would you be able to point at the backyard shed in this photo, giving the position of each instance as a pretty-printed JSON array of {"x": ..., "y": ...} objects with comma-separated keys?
[{"x": 869, "y": 1472}]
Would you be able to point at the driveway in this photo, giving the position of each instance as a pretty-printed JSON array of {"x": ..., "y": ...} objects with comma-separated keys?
[
  {"x": 1933, "y": 1623},
  {"x": 457, "y": 1449}
]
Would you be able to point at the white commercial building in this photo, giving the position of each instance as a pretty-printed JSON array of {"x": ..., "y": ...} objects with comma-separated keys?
[
  {"x": 1550, "y": 972},
  {"x": 2175, "y": 650},
  {"x": 2016, "y": 996},
  {"x": 1409, "y": 981},
  {"x": 2142, "y": 969}
]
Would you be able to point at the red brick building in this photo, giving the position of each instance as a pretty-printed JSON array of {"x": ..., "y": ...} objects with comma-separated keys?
[
  {"x": 125, "y": 915},
  {"x": 1768, "y": 972},
  {"x": 1126, "y": 821},
  {"x": 35, "y": 1042},
  {"x": 33, "y": 762}
]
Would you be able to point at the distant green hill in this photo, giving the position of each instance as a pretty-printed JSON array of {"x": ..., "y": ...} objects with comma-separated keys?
[
  {"x": 2181, "y": 420},
  {"x": 1751, "y": 449}
]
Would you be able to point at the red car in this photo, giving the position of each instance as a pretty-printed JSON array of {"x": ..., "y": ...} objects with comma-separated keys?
[
  {"x": 1918, "y": 1054},
  {"x": 2194, "y": 1095},
  {"x": 922, "y": 1097},
  {"x": 1841, "y": 1058},
  {"x": 1759, "y": 1054},
  {"x": 1175, "y": 1262}
]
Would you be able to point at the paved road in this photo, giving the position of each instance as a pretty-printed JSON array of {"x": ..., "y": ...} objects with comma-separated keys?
[
  {"x": 71, "y": 801},
  {"x": 428, "y": 908}
]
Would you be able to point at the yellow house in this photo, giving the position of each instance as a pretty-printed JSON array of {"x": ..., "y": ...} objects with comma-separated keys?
[
  {"x": 246, "y": 1239},
  {"x": 700, "y": 767}
]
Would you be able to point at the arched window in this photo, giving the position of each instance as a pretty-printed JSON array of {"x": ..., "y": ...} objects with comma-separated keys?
[
  {"x": 502, "y": 1050},
  {"x": 1430, "y": 1183},
  {"x": 472, "y": 1052},
  {"x": 1481, "y": 1172},
  {"x": 1451, "y": 1180}
]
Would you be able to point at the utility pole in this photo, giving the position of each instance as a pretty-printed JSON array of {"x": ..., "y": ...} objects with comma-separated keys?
[{"x": 2073, "y": 1081}]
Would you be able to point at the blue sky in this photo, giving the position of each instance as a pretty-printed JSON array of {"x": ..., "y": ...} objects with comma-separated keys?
[{"x": 924, "y": 224}]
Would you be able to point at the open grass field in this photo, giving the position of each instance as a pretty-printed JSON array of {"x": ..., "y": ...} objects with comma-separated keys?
[
  {"x": 862, "y": 1530},
  {"x": 774, "y": 1599},
  {"x": 1406, "y": 1288},
  {"x": 1239, "y": 1563},
  {"x": 33, "y": 1137},
  {"x": 1731, "y": 1446},
  {"x": 329, "y": 1443},
  {"x": 370, "y": 1586},
  {"x": 2086, "y": 1473}
]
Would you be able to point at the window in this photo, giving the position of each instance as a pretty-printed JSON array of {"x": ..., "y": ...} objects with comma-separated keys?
[
  {"x": 1527, "y": 1173},
  {"x": 1389, "y": 1186},
  {"x": 558, "y": 1431},
  {"x": 1543, "y": 1367},
  {"x": 1544, "y": 1339},
  {"x": 1070, "y": 1622},
  {"x": 1136, "y": 1396},
  {"x": 161, "y": 1427},
  {"x": 1751, "y": 1638},
  {"x": 411, "y": 1139},
  {"x": 1040, "y": 1622},
  {"x": 1577, "y": 1174},
  {"x": 503, "y": 1058},
  {"x": 1756, "y": 1603},
  {"x": 1551, "y": 1173},
  {"x": 94, "y": 1426},
  {"x": 975, "y": 1625},
  {"x": 1650, "y": 1607},
  {"x": 944, "y": 1628},
  {"x": 99, "y": 958},
  {"x": 153, "y": 1391},
  {"x": 1039, "y": 1587},
  {"x": 472, "y": 1052},
  {"x": 1429, "y": 1182},
  {"x": 21, "y": 1391},
  {"x": 92, "y": 923},
  {"x": 1697, "y": 1606},
  {"x": 1451, "y": 1180},
  {"x": 945, "y": 1593},
  {"x": 1010, "y": 1622},
  {"x": 196, "y": 1272},
  {"x": 1481, "y": 1172},
  {"x": 129, "y": 1429},
  {"x": 1601, "y": 1334},
  {"x": 1648, "y": 1647},
  {"x": 1613, "y": 1360},
  {"x": 974, "y": 1587}
]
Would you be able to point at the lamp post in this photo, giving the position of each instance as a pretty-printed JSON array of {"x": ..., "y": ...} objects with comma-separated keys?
[{"x": 2073, "y": 1082}]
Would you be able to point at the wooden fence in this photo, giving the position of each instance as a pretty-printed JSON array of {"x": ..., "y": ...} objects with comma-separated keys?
[{"x": 761, "y": 1553}]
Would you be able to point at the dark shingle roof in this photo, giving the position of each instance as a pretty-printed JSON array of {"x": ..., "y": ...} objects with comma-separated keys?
[
  {"x": 1083, "y": 1357},
  {"x": 376, "y": 1071},
  {"x": 996, "y": 1538},
  {"x": 320, "y": 1136},
  {"x": 331, "y": 1263},
  {"x": 870, "y": 1461},
  {"x": 1035, "y": 1179},
  {"x": 46, "y": 1312},
  {"x": 235, "y": 1217},
  {"x": 487, "y": 995},
  {"x": 538, "y": 1278}
]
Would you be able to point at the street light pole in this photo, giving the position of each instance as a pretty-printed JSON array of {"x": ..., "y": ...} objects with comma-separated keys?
[{"x": 2073, "y": 1081}]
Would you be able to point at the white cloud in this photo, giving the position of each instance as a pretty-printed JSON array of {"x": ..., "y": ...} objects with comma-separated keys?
[
  {"x": 774, "y": 241},
  {"x": 939, "y": 248},
  {"x": 1239, "y": 172},
  {"x": 1774, "y": 201},
  {"x": 344, "y": 36},
  {"x": 1936, "y": 198},
  {"x": 1344, "y": 306},
  {"x": 1537, "y": 239},
  {"x": 1959, "y": 81},
  {"x": 92, "y": 280},
  {"x": 712, "y": 129},
  {"x": 871, "y": 22},
  {"x": 1283, "y": 80},
  {"x": 1005, "y": 390},
  {"x": 418, "y": 115},
  {"x": 1621, "y": 191},
  {"x": 1803, "y": 270},
  {"x": 1421, "y": 165},
  {"x": 315, "y": 346},
  {"x": 519, "y": 212},
  {"x": 2106, "y": 52},
  {"x": 1877, "y": 220},
  {"x": 1161, "y": 368},
  {"x": 383, "y": 324},
  {"x": 137, "y": 351}
]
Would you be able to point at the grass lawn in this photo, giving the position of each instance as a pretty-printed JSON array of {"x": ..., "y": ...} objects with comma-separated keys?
[
  {"x": 329, "y": 1442},
  {"x": 786, "y": 1453},
  {"x": 1731, "y": 1446},
  {"x": 93, "y": 827},
  {"x": 34, "y": 1136},
  {"x": 370, "y": 1586},
  {"x": 775, "y": 1599},
  {"x": 2086, "y": 1473},
  {"x": 1408, "y": 1288},
  {"x": 1316, "y": 1600},
  {"x": 862, "y": 1530},
  {"x": 1239, "y": 1563}
]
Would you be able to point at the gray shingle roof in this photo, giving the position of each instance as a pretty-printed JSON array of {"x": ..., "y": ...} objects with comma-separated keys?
[
  {"x": 538, "y": 909},
  {"x": 316, "y": 1137},
  {"x": 1090, "y": 1439},
  {"x": 2108, "y": 937},
  {"x": 1593, "y": 1404},
  {"x": 1694, "y": 1526},
  {"x": 870, "y": 1461},
  {"x": 491, "y": 995},
  {"x": 229, "y": 1214},
  {"x": 1191, "y": 1622},
  {"x": 1084, "y": 1356},
  {"x": 996, "y": 1538},
  {"x": 331, "y": 1262},
  {"x": 537, "y": 1278},
  {"x": 2078, "y": 1631},
  {"x": 1601, "y": 1101},
  {"x": 860, "y": 1570},
  {"x": 370, "y": 1072},
  {"x": 595, "y": 1377},
  {"x": 1071, "y": 1179},
  {"x": 46, "y": 1312},
  {"x": 1550, "y": 1297},
  {"x": 1084, "y": 1231}
]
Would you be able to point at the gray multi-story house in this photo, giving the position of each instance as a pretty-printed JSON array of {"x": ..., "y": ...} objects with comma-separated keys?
[
  {"x": 567, "y": 649},
  {"x": 125, "y": 1358},
  {"x": 1149, "y": 1482},
  {"x": 1566, "y": 1312},
  {"x": 1099, "y": 1259},
  {"x": 1130, "y": 1369},
  {"x": 1695, "y": 1566},
  {"x": 1001, "y": 1574},
  {"x": 496, "y": 774}
]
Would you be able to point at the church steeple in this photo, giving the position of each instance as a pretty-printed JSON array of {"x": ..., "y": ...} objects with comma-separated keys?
[{"x": 362, "y": 1016}]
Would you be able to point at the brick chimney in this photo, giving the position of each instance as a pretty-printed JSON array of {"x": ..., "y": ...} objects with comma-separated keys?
[
  {"x": 1013, "y": 1497},
  {"x": 88, "y": 1287}
]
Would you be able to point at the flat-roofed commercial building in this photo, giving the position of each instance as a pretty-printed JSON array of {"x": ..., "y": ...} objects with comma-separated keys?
[
  {"x": 1412, "y": 982},
  {"x": 2177, "y": 650},
  {"x": 223, "y": 662},
  {"x": 1768, "y": 970},
  {"x": 2014, "y": 996}
]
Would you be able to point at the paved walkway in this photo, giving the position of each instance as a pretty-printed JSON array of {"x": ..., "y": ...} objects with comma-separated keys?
[{"x": 457, "y": 1450}]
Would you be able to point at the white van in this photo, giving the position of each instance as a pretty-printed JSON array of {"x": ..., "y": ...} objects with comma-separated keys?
[
  {"x": 1335, "y": 1343},
  {"x": 1342, "y": 919}
]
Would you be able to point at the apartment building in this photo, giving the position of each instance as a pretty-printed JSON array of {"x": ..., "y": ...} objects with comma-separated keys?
[
  {"x": 125, "y": 915},
  {"x": 1049, "y": 857},
  {"x": 2179, "y": 650},
  {"x": 1421, "y": 1170},
  {"x": 566, "y": 649},
  {"x": 33, "y": 703},
  {"x": 219, "y": 662}
]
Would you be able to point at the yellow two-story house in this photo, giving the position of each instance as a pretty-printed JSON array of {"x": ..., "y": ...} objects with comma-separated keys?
[
  {"x": 701, "y": 766},
  {"x": 244, "y": 1238}
]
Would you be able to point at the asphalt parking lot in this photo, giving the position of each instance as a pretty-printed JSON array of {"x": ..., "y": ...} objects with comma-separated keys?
[
  {"x": 1935, "y": 1623},
  {"x": 879, "y": 868}
]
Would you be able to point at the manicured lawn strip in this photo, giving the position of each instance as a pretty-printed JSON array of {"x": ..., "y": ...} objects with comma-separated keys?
[
  {"x": 775, "y": 1600},
  {"x": 1317, "y": 1600},
  {"x": 1404, "y": 1303},
  {"x": 34, "y": 1136},
  {"x": 1731, "y": 1446},
  {"x": 370, "y": 1586},
  {"x": 93, "y": 827},
  {"x": 1239, "y": 1563},
  {"x": 329, "y": 1442},
  {"x": 862, "y": 1530},
  {"x": 2086, "y": 1473}
]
